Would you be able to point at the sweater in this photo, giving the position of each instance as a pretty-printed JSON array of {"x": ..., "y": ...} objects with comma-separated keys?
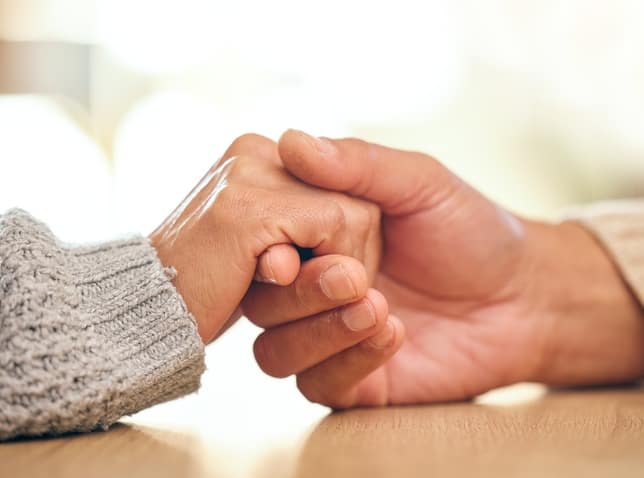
[
  {"x": 90, "y": 334},
  {"x": 619, "y": 227},
  {"x": 87, "y": 334}
]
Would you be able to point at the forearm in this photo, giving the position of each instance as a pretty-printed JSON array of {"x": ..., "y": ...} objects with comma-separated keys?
[
  {"x": 594, "y": 323},
  {"x": 88, "y": 334}
]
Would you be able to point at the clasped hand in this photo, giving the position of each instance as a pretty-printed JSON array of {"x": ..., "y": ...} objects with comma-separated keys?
[{"x": 420, "y": 289}]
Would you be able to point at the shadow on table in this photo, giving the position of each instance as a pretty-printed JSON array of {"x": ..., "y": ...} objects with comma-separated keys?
[
  {"x": 124, "y": 450},
  {"x": 566, "y": 433}
]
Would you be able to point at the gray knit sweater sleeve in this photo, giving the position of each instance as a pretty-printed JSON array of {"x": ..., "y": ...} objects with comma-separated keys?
[{"x": 87, "y": 334}]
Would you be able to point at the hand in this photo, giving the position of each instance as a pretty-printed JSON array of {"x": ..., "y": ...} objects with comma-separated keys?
[
  {"x": 243, "y": 220},
  {"x": 487, "y": 298}
]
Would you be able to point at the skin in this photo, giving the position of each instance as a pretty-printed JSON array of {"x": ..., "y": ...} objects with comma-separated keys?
[
  {"x": 487, "y": 298},
  {"x": 242, "y": 221}
]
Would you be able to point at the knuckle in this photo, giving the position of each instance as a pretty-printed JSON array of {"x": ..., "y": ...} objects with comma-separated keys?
[
  {"x": 242, "y": 167},
  {"x": 335, "y": 217},
  {"x": 246, "y": 142}
]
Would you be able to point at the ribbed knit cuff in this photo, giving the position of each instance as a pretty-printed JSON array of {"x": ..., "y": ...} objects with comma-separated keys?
[
  {"x": 619, "y": 226},
  {"x": 87, "y": 334}
]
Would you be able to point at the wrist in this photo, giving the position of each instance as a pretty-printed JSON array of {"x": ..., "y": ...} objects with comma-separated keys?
[
  {"x": 593, "y": 326},
  {"x": 164, "y": 256}
]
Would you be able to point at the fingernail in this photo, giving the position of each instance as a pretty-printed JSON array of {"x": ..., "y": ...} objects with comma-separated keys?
[
  {"x": 268, "y": 270},
  {"x": 360, "y": 316},
  {"x": 336, "y": 283},
  {"x": 322, "y": 145},
  {"x": 384, "y": 338},
  {"x": 260, "y": 278}
]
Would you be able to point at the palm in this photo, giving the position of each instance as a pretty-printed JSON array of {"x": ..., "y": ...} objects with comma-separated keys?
[
  {"x": 454, "y": 269},
  {"x": 461, "y": 305}
]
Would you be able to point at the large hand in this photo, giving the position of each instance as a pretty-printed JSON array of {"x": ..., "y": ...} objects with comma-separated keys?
[{"x": 487, "y": 298}]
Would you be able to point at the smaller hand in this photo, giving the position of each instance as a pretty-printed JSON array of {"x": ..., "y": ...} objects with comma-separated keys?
[{"x": 244, "y": 219}]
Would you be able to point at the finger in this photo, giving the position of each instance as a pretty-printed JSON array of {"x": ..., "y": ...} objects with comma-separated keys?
[
  {"x": 239, "y": 224},
  {"x": 324, "y": 283},
  {"x": 363, "y": 224},
  {"x": 335, "y": 381},
  {"x": 279, "y": 264},
  {"x": 400, "y": 182},
  {"x": 363, "y": 217},
  {"x": 297, "y": 346},
  {"x": 267, "y": 219}
]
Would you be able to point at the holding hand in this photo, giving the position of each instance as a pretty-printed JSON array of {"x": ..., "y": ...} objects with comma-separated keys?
[
  {"x": 243, "y": 220},
  {"x": 487, "y": 298}
]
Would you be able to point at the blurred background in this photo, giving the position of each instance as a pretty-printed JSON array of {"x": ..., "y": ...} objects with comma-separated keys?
[{"x": 110, "y": 110}]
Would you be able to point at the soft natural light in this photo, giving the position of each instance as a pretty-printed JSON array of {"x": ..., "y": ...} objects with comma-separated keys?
[
  {"x": 163, "y": 146},
  {"x": 176, "y": 36},
  {"x": 53, "y": 169}
]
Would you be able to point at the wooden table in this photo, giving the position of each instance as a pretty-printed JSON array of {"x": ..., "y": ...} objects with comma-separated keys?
[{"x": 567, "y": 433}]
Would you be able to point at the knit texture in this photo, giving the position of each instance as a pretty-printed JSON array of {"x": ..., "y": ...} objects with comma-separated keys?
[
  {"x": 619, "y": 226},
  {"x": 87, "y": 334}
]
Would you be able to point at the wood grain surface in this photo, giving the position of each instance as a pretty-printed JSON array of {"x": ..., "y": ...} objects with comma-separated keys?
[{"x": 570, "y": 433}]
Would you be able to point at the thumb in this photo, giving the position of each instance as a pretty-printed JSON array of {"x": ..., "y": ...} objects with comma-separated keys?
[
  {"x": 400, "y": 182},
  {"x": 279, "y": 264}
]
